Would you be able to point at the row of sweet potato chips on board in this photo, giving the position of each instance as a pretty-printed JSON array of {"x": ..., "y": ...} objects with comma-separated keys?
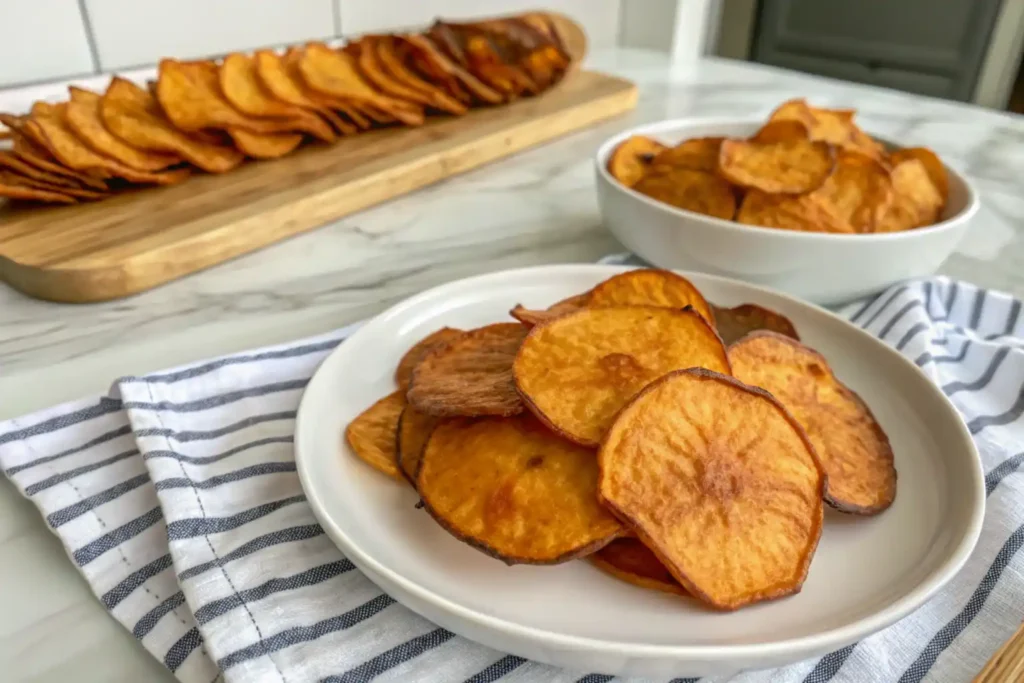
[
  {"x": 806, "y": 169},
  {"x": 212, "y": 115},
  {"x": 676, "y": 444}
]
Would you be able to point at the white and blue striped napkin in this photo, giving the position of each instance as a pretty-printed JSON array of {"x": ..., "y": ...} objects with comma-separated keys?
[{"x": 176, "y": 496}]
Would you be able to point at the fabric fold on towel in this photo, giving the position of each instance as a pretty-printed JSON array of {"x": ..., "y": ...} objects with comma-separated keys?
[{"x": 177, "y": 498}]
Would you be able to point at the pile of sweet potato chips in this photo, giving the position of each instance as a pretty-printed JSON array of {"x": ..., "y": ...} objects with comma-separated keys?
[
  {"x": 806, "y": 169},
  {"x": 211, "y": 116},
  {"x": 677, "y": 445}
]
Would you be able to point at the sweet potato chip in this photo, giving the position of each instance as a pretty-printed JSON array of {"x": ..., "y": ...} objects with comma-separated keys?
[
  {"x": 577, "y": 371},
  {"x": 132, "y": 114},
  {"x": 650, "y": 287},
  {"x": 373, "y": 434},
  {"x": 915, "y": 203},
  {"x": 471, "y": 375},
  {"x": 438, "y": 68},
  {"x": 631, "y": 561},
  {"x": 932, "y": 164},
  {"x": 534, "y": 317},
  {"x": 852, "y": 446},
  {"x": 696, "y": 191},
  {"x": 14, "y": 186},
  {"x": 73, "y": 153},
  {"x": 632, "y": 158},
  {"x": 720, "y": 481},
  {"x": 386, "y": 48},
  {"x": 414, "y": 428},
  {"x": 419, "y": 351},
  {"x": 240, "y": 83},
  {"x": 512, "y": 489},
  {"x": 10, "y": 161},
  {"x": 835, "y": 126},
  {"x": 83, "y": 118},
  {"x": 859, "y": 191},
  {"x": 789, "y": 212},
  {"x": 77, "y": 192},
  {"x": 737, "y": 322},
  {"x": 281, "y": 78},
  {"x": 781, "y": 131},
  {"x": 696, "y": 154},
  {"x": 785, "y": 167},
  {"x": 264, "y": 145},
  {"x": 36, "y": 156}
]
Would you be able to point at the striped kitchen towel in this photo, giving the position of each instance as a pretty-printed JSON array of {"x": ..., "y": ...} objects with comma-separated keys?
[{"x": 176, "y": 496}]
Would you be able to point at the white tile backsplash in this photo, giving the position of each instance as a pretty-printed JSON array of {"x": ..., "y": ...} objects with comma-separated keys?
[
  {"x": 41, "y": 39},
  {"x": 133, "y": 32},
  {"x": 600, "y": 18}
]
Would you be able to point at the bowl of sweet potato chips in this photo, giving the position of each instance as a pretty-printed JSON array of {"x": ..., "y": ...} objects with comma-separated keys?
[{"x": 804, "y": 201}]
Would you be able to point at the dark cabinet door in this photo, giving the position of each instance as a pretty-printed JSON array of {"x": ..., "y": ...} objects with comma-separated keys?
[{"x": 932, "y": 47}]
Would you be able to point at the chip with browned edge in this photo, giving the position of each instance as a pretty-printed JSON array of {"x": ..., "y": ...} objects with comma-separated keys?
[
  {"x": 11, "y": 162},
  {"x": 11, "y": 178},
  {"x": 414, "y": 428},
  {"x": 852, "y": 446},
  {"x": 683, "y": 188},
  {"x": 696, "y": 154},
  {"x": 13, "y": 187},
  {"x": 373, "y": 434},
  {"x": 791, "y": 166},
  {"x": 859, "y": 191},
  {"x": 512, "y": 489},
  {"x": 280, "y": 76},
  {"x": 721, "y": 482},
  {"x": 389, "y": 54},
  {"x": 577, "y": 371},
  {"x": 37, "y": 157},
  {"x": 631, "y": 561},
  {"x": 650, "y": 287},
  {"x": 790, "y": 212},
  {"x": 419, "y": 351},
  {"x": 471, "y": 375},
  {"x": 916, "y": 201},
  {"x": 736, "y": 322},
  {"x": 632, "y": 158},
  {"x": 834, "y": 126},
  {"x": 531, "y": 317}
]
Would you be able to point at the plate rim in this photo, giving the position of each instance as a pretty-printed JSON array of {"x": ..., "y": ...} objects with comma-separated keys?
[{"x": 822, "y": 641}]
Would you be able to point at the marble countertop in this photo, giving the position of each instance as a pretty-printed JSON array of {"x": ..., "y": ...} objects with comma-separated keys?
[{"x": 536, "y": 207}]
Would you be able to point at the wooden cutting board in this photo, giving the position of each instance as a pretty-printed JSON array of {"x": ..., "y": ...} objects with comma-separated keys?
[{"x": 136, "y": 241}]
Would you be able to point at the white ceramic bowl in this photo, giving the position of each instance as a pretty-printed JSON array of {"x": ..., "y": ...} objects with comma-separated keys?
[{"x": 820, "y": 267}]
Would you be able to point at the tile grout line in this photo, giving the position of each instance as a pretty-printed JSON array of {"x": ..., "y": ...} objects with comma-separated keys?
[
  {"x": 336, "y": 17},
  {"x": 90, "y": 38}
]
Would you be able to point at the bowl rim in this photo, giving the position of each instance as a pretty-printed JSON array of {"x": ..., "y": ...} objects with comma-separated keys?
[{"x": 604, "y": 151}]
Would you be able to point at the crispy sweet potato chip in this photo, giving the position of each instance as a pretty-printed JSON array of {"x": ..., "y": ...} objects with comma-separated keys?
[
  {"x": 532, "y": 317},
  {"x": 932, "y": 165},
  {"x": 14, "y": 186},
  {"x": 650, "y": 287},
  {"x": 78, "y": 192},
  {"x": 736, "y": 322},
  {"x": 36, "y": 156},
  {"x": 83, "y": 118},
  {"x": 414, "y": 428},
  {"x": 696, "y": 154},
  {"x": 419, "y": 351},
  {"x": 264, "y": 145},
  {"x": 631, "y": 561},
  {"x": 781, "y": 131},
  {"x": 788, "y": 212},
  {"x": 786, "y": 167},
  {"x": 281, "y": 78},
  {"x": 915, "y": 203},
  {"x": 512, "y": 489},
  {"x": 852, "y": 446},
  {"x": 695, "y": 191},
  {"x": 471, "y": 375},
  {"x": 132, "y": 114},
  {"x": 438, "y": 68},
  {"x": 373, "y": 434},
  {"x": 859, "y": 191},
  {"x": 632, "y": 158},
  {"x": 10, "y": 161},
  {"x": 835, "y": 126},
  {"x": 720, "y": 481},
  {"x": 577, "y": 371},
  {"x": 387, "y": 50}
]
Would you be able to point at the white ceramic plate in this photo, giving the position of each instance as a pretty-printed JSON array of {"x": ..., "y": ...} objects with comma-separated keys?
[{"x": 867, "y": 573}]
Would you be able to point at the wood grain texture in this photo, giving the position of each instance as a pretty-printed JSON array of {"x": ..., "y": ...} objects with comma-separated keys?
[
  {"x": 144, "y": 238},
  {"x": 1007, "y": 664}
]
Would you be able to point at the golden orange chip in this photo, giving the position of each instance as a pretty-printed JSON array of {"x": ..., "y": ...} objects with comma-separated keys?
[
  {"x": 577, "y": 371},
  {"x": 512, "y": 489},
  {"x": 789, "y": 212},
  {"x": 373, "y": 434},
  {"x": 916, "y": 201},
  {"x": 697, "y": 154},
  {"x": 932, "y": 164},
  {"x": 14, "y": 186},
  {"x": 414, "y": 428},
  {"x": 264, "y": 145},
  {"x": 533, "y": 317},
  {"x": 835, "y": 126},
  {"x": 439, "y": 68},
  {"x": 37, "y": 156},
  {"x": 736, "y": 322},
  {"x": 241, "y": 86},
  {"x": 859, "y": 191},
  {"x": 419, "y": 351},
  {"x": 781, "y": 131},
  {"x": 387, "y": 50},
  {"x": 852, "y": 446},
  {"x": 10, "y": 161},
  {"x": 280, "y": 76},
  {"x": 695, "y": 191},
  {"x": 632, "y": 158},
  {"x": 720, "y": 481},
  {"x": 132, "y": 114},
  {"x": 15, "y": 179},
  {"x": 650, "y": 287},
  {"x": 786, "y": 167},
  {"x": 630, "y": 560},
  {"x": 471, "y": 375}
]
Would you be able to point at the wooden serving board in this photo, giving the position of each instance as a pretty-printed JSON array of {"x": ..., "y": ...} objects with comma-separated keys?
[{"x": 136, "y": 241}]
